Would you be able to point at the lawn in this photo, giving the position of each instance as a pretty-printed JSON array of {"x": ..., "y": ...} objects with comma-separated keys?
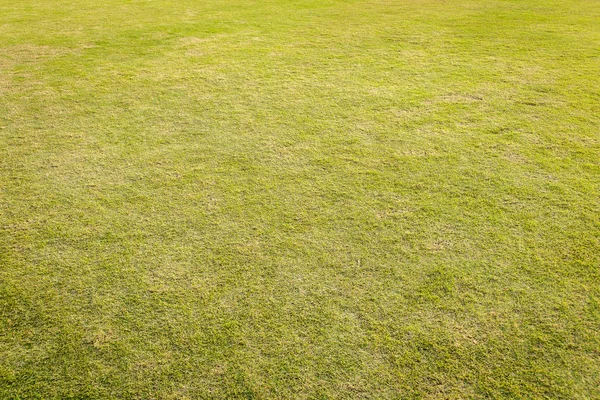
[{"x": 292, "y": 199}]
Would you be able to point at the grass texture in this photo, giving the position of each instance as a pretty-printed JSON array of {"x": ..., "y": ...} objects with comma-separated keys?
[{"x": 301, "y": 199}]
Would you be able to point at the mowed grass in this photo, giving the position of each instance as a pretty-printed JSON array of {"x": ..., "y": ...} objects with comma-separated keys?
[{"x": 299, "y": 199}]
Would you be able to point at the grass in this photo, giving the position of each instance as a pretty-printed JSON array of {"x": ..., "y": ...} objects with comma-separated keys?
[{"x": 299, "y": 199}]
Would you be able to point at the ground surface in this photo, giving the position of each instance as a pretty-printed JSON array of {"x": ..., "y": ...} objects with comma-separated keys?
[{"x": 299, "y": 199}]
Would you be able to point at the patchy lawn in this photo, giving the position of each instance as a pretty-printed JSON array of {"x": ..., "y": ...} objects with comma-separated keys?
[{"x": 299, "y": 199}]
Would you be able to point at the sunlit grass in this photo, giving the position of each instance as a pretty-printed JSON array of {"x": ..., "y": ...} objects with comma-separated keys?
[{"x": 299, "y": 199}]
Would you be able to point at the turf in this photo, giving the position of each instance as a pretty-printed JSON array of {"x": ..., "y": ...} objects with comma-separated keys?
[{"x": 299, "y": 199}]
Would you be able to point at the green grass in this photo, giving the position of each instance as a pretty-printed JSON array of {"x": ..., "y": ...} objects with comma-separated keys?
[{"x": 299, "y": 199}]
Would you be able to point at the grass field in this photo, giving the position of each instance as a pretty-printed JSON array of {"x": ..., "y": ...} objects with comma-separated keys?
[{"x": 299, "y": 199}]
